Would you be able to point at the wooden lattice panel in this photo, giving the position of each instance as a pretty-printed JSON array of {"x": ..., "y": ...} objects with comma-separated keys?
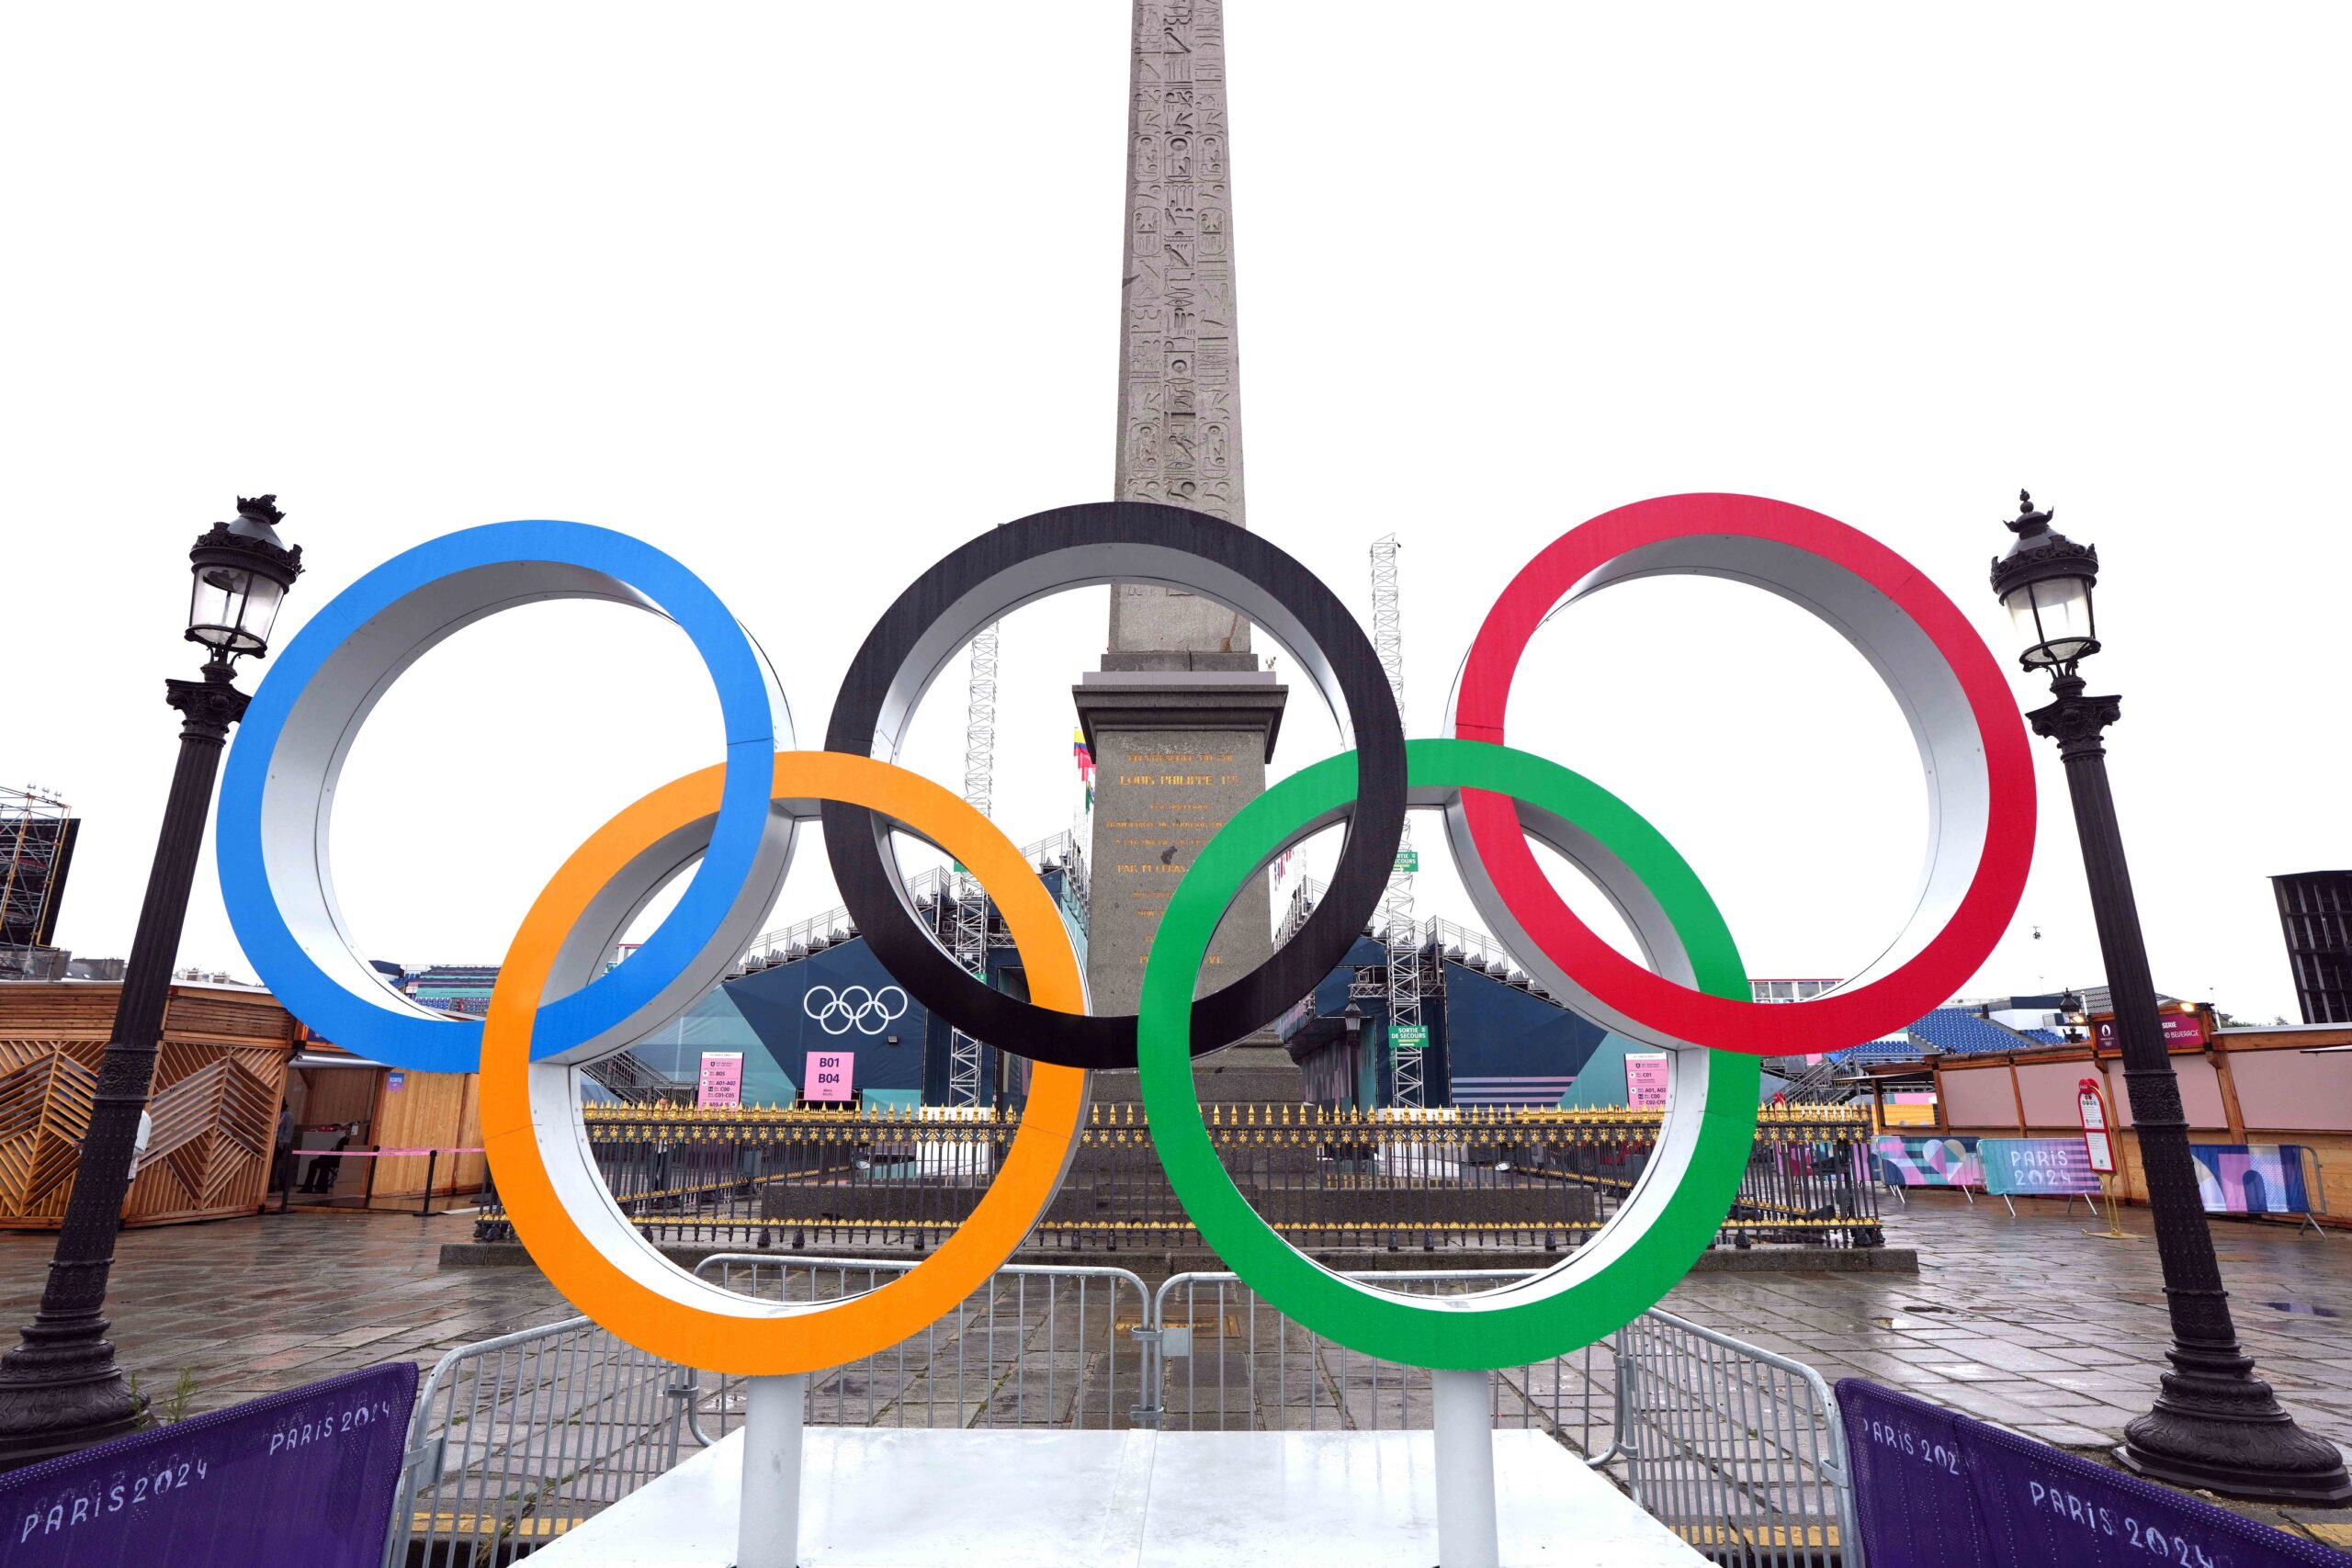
[
  {"x": 212, "y": 1105},
  {"x": 211, "y": 1132},
  {"x": 45, "y": 1102}
]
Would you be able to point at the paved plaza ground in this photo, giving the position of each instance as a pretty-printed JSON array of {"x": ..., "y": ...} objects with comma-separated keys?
[{"x": 2025, "y": 1321}]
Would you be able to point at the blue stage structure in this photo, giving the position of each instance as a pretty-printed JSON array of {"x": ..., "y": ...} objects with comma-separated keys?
[{"x": 1496, "y": 1037}]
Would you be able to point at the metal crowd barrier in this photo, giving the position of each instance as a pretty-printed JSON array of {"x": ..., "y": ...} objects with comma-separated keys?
[
  {"x": 518, "y": 1438},
  {"x": 1226, "y": 1361},
  {"x": 1741, "y": 1452},
  {"x": 1041, "y": 1345}
]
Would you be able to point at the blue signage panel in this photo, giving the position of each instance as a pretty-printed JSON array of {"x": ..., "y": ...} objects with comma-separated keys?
[
  {"x": 302, "y": 1477},
  {"x": 1927, "y": 1162},
  {"x": 1933, "y": 1489},
  {"x": 2251, "y": 1179}
]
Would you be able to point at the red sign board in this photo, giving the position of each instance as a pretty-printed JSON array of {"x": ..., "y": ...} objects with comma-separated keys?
[
  {"x": 2180, "y": 1029},
  {"x": 2092, "y": 1106}
]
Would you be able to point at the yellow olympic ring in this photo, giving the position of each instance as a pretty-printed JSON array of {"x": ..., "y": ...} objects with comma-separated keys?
[{"x": 568, "y": 1222}]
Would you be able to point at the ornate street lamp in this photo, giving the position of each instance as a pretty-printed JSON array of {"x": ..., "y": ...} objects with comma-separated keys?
[
  {"x": 242, "y": 570},
  {"x": 2215, "y": 1424},
  {"x": 60, "y": 1389}
]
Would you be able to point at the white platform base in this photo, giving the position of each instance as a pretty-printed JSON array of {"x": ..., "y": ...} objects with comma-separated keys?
[{"x": 924, "y": 1499}]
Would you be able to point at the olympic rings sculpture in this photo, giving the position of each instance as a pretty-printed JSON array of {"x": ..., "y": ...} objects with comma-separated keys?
[
  {"x": 869, "y": 1015},
  {"x": 732, "y": 829}
]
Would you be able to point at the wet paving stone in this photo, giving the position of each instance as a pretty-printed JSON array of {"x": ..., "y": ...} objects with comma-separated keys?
[{"x": 2025, "y": 1321}]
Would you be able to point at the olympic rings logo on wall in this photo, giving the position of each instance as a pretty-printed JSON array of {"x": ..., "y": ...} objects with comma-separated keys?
[
  {"x": 871, "y": 1013},
  {"x": 734, "y": 824}
]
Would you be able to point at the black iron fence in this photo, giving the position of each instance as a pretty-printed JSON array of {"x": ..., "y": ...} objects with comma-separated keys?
[{"x": 1484, "y": 1179}]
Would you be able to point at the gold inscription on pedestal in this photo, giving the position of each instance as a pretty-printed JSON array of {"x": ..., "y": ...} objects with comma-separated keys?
[{"x": 1156, "y": 811}]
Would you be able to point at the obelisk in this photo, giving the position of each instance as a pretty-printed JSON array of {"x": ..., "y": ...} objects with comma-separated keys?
[{"x": 1179, "y": 718}]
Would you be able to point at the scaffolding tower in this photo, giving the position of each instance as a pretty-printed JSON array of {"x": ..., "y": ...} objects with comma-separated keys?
[
  {"x": 36, "y": 848},
  {"x": 971, "y": 927},
  {"x": 1407, "y": 1039}
]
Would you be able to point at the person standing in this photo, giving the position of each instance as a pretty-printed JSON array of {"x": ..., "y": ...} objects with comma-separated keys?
[
  {"x": 281, "y": 1168},
  {"x": 328, "y": 1166}
]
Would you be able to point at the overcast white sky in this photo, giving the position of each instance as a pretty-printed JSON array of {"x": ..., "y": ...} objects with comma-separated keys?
[{"x": 806, "y": 296}]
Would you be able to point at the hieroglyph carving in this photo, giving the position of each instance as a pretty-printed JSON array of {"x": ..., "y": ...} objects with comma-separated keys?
[{"x": 1180, "y": 410}]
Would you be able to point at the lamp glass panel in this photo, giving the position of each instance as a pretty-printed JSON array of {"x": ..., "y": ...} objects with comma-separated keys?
[
  {"x": 216, "y": 604},
  {"x": 2052, "y": 619},
  {"x": 260, "y": 612}
]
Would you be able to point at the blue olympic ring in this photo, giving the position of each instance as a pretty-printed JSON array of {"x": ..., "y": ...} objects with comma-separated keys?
[{"x": 361, "y": 641}]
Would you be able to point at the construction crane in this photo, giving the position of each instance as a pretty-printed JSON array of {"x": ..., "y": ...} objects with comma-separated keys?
[
  {"x": 1407, "y": 1039},
  {"x": 971, "y": 928}
]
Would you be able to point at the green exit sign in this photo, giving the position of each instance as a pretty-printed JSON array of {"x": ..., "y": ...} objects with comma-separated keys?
[
  {"x": 1408, "y": 859},
  {"x": 1411, "y": 1036}
]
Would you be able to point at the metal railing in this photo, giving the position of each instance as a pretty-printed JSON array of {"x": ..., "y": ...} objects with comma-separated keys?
[
  {"x": 1227, "y": 1362},
  {"x": 1739, "y": 1451},
  {"x": 518, "y": 1438},
  {"x": 1471, "y": 1179},
  {"x": 1039, "y": 1346}
]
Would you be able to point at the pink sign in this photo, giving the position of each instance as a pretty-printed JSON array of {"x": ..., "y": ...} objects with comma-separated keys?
[
  {"x": 829, "y": 1075},
  {"x": 722, "y": 1078},
  {"x": 1647, "y": 1075},
  {"x": 2180, "y": 1029}
]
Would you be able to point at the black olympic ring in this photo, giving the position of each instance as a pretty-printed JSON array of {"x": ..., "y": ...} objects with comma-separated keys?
[{"x": 1074, "y": 546}]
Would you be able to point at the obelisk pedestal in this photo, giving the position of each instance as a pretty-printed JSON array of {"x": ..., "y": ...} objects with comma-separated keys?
[{"x": 1176, "y": 754}]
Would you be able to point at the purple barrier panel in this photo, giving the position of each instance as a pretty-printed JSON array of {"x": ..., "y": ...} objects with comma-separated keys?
[
  {"x": 1911, "y": 1493},
  {"x": 1935, "y": 1489},
  {"x": 303, "y": 1479}
]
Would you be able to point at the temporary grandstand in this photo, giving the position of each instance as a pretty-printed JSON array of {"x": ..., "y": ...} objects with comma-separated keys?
[
  {"x": 36, "y": 834},
  {"x": 1948, "y": 1031},
  {"x": 452, "y": 988}
]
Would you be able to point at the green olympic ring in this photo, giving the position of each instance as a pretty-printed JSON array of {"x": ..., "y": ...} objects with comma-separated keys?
[{"x": 1663, "y": 1226}]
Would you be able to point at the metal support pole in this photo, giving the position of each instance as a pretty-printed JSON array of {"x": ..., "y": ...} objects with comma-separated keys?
[
  {"x": 2215, "y": 1424},
  {"x": 768, "y": 1532},
  {"x": 424, "y": 1209},
  {"x": 1466, "y": 1532},
  {"x": 60, "y": 1389}
]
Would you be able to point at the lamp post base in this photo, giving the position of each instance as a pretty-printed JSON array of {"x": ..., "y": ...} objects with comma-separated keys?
[
  {"x": 2215, "y": 1426},
  {"x": 52, "y": 1411},
  {"x": 2220, "y": 1430}
]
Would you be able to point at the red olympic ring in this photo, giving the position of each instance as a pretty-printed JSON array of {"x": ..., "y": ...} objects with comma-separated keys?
[{"x": 1931, "y": 975}]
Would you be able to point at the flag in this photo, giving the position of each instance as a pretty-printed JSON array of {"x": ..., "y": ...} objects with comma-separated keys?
[{"x": 1078, "y": 748}]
